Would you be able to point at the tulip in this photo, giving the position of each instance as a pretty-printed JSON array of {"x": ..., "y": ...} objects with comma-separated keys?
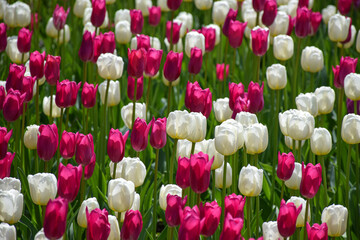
[
  {"x": 126, "y": 113},
  {"x": 13, "y": 105},
  {"x": 154, "y": 16},
  {"x": 222, "y": 110},
  {"x": 40, "y": 235},
  {"x": 317, "y": 232},
  {"x": 137, "y": 21},
  {"x": 190, "y": 224},
  {"x": 338, "y": 27},
  {"x": 84, "y": 149},
  {"x": 170, "y": 189},
  {"x": 183, "y": 148},
  {"x": 139, "y": 135},
  {"x": 236, "y": 33},
  {"x": 86, "y": 47},
  {"x": 59, "y": 17},
  {"x": 347, "y": 66},
  {"x": 113, "y": 94},
  {"x": 320, "y": 141},
  {"x": 283, "y": 47},
  {"x": 43, "y": 187},
  {"x": 256, "y": 138},
  {"x": 258, "y": 5},
  {"x": 307, "y": 102},
  {"x": 9, "y": 183},
  {"x": 56, "y": 111},
  {"x": 327, "y": 13},
  {"x": 89, "y": 204},
  {"x": 195, "y": 61},
  {"x": 47, "y": 141},
  {"x": 176, "y": 123},
  {"x": 295, "y": 179},
  {"x": 50, "y": 29},
  {"x": 24, "y": 40},
  {"x": 158, "y": 133},
  {"x": 37, "y": 64},
  {"x": 89, "y": 169},
  {"x": 132, "y": 225},
  {"x": 196, "y": 129},
  {"x": 2, "y": 97},
  {"x": 13, "y": 52},
  {"x": 229, "y": 137},
  {"x": 210, "y": 218},
  {"x": 231, "y": 16},
  {"x": 270, "y": 12},
  {"x": 249, "y": 15},
  {"x": 220, "y": 71},
  {"x": 97, "y": 47},
  {"x": 350, "y": 39},
  {"x": 351, "y": 86},
  {"x": 300, "y": 202},
  {"x": 203, "y": 4},
  {"x": 315, "y": 19},
  {"x": 110, "y": 66},
  {"x": 11, "y": 212},
  {"x": 28, "y": 87},
  {"x": 137, "y": 62},
  {"x": 286, "y": 220},
  {"x": 250, "y": 181},
  {"x": 139, "y": 88},
  {"x": 235, "y": 91},
  {"x": 98, "y": 224},
  {"x": 122, "y": 15},
  {"x": 350, "y": 129},
  {"x": 4, "y": 140},
  {"x": 297, "y": 124},
  {"x": 357, "y": 42},
  {"x": 98, "y": 12},
  {"x": 174, "y": 205},
  {"x": 7, "y": 231},
  {"x": 122, "y": 32},
  {"x": 173, "y": 4},
  {"x": 183, "y": 172},
  {"x": 286, "y": 165},
  {"x": 270, "y": 230},
  {"x": 80, "y": 6},
  {"x": 130, "y": 169},
  {"x": 232, "y": 228},
  {"x": 234, "y": 205},
  {"x": 175, "y": 32},
  {"x": 55, "y": 218},
  {"x": 88, "y": 95},
  {"x": 325, "y": 98},
  {"x": 3, "y": 37},
  {"x": 15, "y": 76},
  {"x": 153, "y": 61},
  {"x": 66, "y": 91},
  {"x": 311, "y": 180},
  {"x": 336, "y": 217},
  {"x": 5, "y": 164},
  {"x": 344, "y": 6},
  {"x": 17, "y": 14},
  {"x": 114, "y": 228},
  {"x": 108, "y": 42},
  {"x": 30, "y": 136},
  {"x": 259, "y": 41},
  {"x": 197, "y": 99},
  {"x": 52, "y": 69},
  {"x": 219, "y": 173},
  {"x": 186, "y": 20},
  {"x": 312, "y": 59},
  {"x": 255, "y": 96},
  {"x": 69, "y": 178},
  {"x": 120, "y": 194},
  {"x": 281, "y": 25},
  {"x": 303, "y": 22},
  {"x": 276, "y": 76},
  {"x": 172, "y": 66},
  {"x": 220, "y": 11},
  {"x": 116, "y": 145},
  {"x": 141, "y": 41}
]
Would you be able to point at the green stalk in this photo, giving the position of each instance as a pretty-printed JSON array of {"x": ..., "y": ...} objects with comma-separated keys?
[
  {"x": 198, "y": 198},
  {"x": 338, "y": 136},
  {"x": 294, "y": 86},
  {"x": 257, "y": 76},
  {"x": 223, "y": 191},
  {"x": 169, "y": 98},
  {"x": 213, "y": 186},
  {"x": 248, "y": 216},
  {"x": 170, "y": 233},
  {"x": 257, "y": 215},
  {"x": 282, "y": 190},
  {"x": 22, "y": 149},
  {"x": 206, "y": 66},
  {"x": 321, "y": 159},
  {"x": 59, "y": 134},
  {"x": 37, "y": 102},
  {"x": 306, "y": 216},
  {"x": 82, "y": 188},
  {"x": 275, "y": 141},
  {"x": 86, "y": 120},
  {"x": 114, "y": 171},
  {"x": 134, "y": 104},
  {"x": 84, "y": 73},
  {"x": 233, "y": 64},
  {"x": 299, "y": 149},
  {"x": 103, "y": 137},
  {"x": 234, "y": 159},
  {"x": 147, "y": 96},
  {"x": 172, "y": 161},
  {"x": 245, "y": 156},
  {"x": 225, "y": 58},
  {"x": 36, "y": 161},
  {"x": 347, "y": 186},
  {"x": 155, "y": 194},
  {"x": 51, "y": 102}
]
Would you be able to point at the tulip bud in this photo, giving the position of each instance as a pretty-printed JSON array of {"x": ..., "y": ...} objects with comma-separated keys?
[
  {"x": 220, "y": 11},
  {"x": 30, "y": 136},
  {"x": 283, "y": 47},
  {"x": 190, "y": 223},
  {"x": 197, "y": 99},
  {"x": 86, "y": 47},
  {"x": 154, "y": 16},
  {"x": 43, "y": 187},
  {"x": 170, "y": 189},
  {"x": 120, "y": 194},
  {"x": 5, "y": 164},
  {"x": 210, "y": 218},
  {"x": 132, "y": 225},
  {"x": 300, "y": 202},
  {"x": 98, "y": 224},
  {"x": 55, "y": 218},
  {"x": 66, "y": 93},
  {"x": 236, "y": 33},
  {"x": 210, "y": 38},
  {"x": 256, "y": 138},
  {"x": 59, "y": 17},
  {"x": 315, "y": 19},
  {"x": 13, "y": 52},
  {"x": 321, "y": 142},
  {"x": 88, "y": 95},
  {"x": 24, "y": 40},
  {"x": 195, "y": 61},
  {"x": 69, "y": 178},
  {"x": 338, "y": 27},
  {"x": 255, "y": 97},
  {"x": 281, "y": 24},
  {"x": 8, "y": 231},
  {"x": 286, "y": 220},
  {"x": 250, "y": 181},
  {"x": 137, "y": 62},
  {"x": 56, "y": 111},
  {"x": 137, "y": 21},
  {"x": 234, "y": 205},
  {"x": 4, "y": 140},
  {"x": 196, "y": 126},
  {"x": 113, "y": 94},
  {"x": 232, "y": 227},
  {"x": 350, "y": 129},
  {"x": 276, "y": 76},
  {"x": 200, "y": 169},
  {"x": 84, "y": 149},
  {"x": 176, "y": 123},
  {"x": 47, "y": 142},
  {"x": 235, "y": 91},
  {"x": 317, "y": 232},
  {"x": 3, "y": 37},
  {"x": 130, "y": 169},
  {"x": 183, "y": 172},
  {"x": 194, "y": 39},
  {"x": 347, "y": 66},
  {"x": 50, "y": 29},
  {"x": 270, "y": 231},
  {"x": 89, "y": 205},
  {"x": 229, "y": 137},
  {"x": 351, "y": 83},
  {"x": 270, "y": 12},
  {"x": 17, "y": 14},
  {"x": 110, "y": 66},
  {"x": 139, "y": 88},
  {"x": 174, "y": 205},
  {"x": 295, "y": 179},
  {"x": 80, "y": 6},
  {"x": 219, "y": 176},
  {"x": 153, "y": 61},
  {"x": 116, "y": 145},
  {"x": 259, "y": 41},
  {"x": 11, "y": 212},
  {"x": 37, "y": 64},
  {"x": 173, "y": 4},
  {"x": 139, "y": 134},
  {"x": 9, "y": 183},
  {"x": 220, "y": 72},
  {"x": 98, "y": 12},
  {"x": 140, "y": 41},
  {"x": 303, "y": 22},
  {"x": 325, "y": 99},
  {"x": 203, "y": 4},
  {"x": 286, "y": 165},
  {"x": 311, "y": 180},
  {"x": 114, "y": 228},
  {"x": 297, "y": 124},
  {"x": 126, "y": 113},
  {"x": 222, "y": 110},
  {"x": 307, "y": 102},
  {"x": 158, "y": 133},
  {"x": 176, "y": 32},
  {"x": 327, "y": 13},
  {"x": 336, "y": 217},
  {"x": 52, "y": 69},
  {"x": 312, "y": 59},
  {"x": 13, "y": 105},
  {"x": 122, "y": 32}
]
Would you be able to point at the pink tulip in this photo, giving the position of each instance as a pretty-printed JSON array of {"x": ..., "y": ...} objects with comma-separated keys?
[
  {"x": 47, "y": 143},
  {"x": 88, "y": 95},
  {"x": 220, "y": 71},
  {"x": 270, "y": 12},
  {"x": 116, "y": 145},
  {"x": 2, "y": 97},
  {"x": 15, "y": 76},
  {"x": 28, "y": 87},
  {"x": 344, "y": 6},
  {"x": 315, "y": 22},
  {"x": 231, "y": 16},
  {"x": 98, "y": 12},
  {"x": 137, "y": 21},
  {"x": 86, "y": 50},
  {"x": 137, "y": 62},
  {"x": 139, "y": 134},
  {"x": 59, "y": 17},
  {"x": 36, "y": 64},
  {"x": 65, "y": 92},
  {"x": 55, "y": 218},
  {"x": 172, "y": 66},
  {"x": 198, "y": 99},
  {"x": 210, "y": 38},
  {"x": 347, "y": 65},
  {"x": 84, "y": 150},
  {"x": 195, "y": 61},
  {"x": 174, "y": 4},
  {"x": 69, "y": 178},
  {"x": 210, "y": 218},
  {"x": 108, "y": 42},
  {"x": 235, "y": 91},
  {"x": 232, "y": 228},
  {"x": 89, "y": 169},
  {"x": 52, "y": 69},
  {"x": 143, "y": 41},
  {"x": 286, "y": 165},
  {"x": 310, "y": 180},
  {"x": 303, "y": 3},
  {"x": 259, "y": 41},
  {"x": 183, "y": 172},
  {"x": 158, "y": 133},
  {"x": 291, "y": 25},
  {"x": 286, "y": 220},
  {"x": 24, "y": 40},
  {"x": 255, "y": 96},
  {"x": 236, "y": 33},
  {"x": 317, "y": 232},
  {"x": 97, "y": 42},
  {"x": 190, "y": 224},
  {"x": 174, "y": 207},
  {"x": 200, "y": 169},
  {"x": 67, "y": 145},
  {"x": 5, "y": 165},
  {"x": 139, "y": 87},
  {"x": 241, "y": 105},
  {"x": 13, "y": 105},
  {"x": 234, "y": 204},
  {"x": 132, "y": 225},
  {"x": 175, "y": 32},
  {"x": 3, "y": 37},
  {"x": 153, "y": 61},
  {"x": 154, "y": 16},
  {"x": 303, "y": 22},
  {"x": 98, "y": 226}
]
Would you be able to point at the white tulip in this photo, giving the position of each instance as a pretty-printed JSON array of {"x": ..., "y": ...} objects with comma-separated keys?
[
  {"x": 292, "y": 7},
  {"x": 289, "y": 143},
  {"x": 203, "y": 4},
  {"x": 276, "y": 76},
  {"x": 176, "y": 48},
  {"x": 143, "y": 6},
  {"x": 219, "y": 173},
  {"x": 282, "y": 2},
  {"x": 280, "y": 25},
  {"x": 327, "y": 13},
  {"x": 320, "y": 141},
  {"x": 232, "y": 4},
  {"x": 110, "y": 66},
  {"x": 183, "y": 148},
  {"x": 246, "y": 119},
  {"x": 352, "y": 39},
  {"x": 130, "y": 169},
  {"x": 8, "y": 183},
  {"x": 176, "y": 124},
  {"x": 90, "y": 204},
  {"x": 90, "y": 28},
  {"x": 208, "y": 147},
  {"x": 122, "y": 15},
  {"x": 11, "y": 206},
  {"x": 307, "y": 102},
  {"x": 40, "y": 235},
  {"x": 56, "y": 111},
  {"x": 7, "y": 231},
  {"x": 338, "y": 28},
  {"x": 30, "y": 136},
  {"x": 350, "y": 129},
  {"x": 301, "y": 217},
  {"x": 256, "y": 138},
  {"x": 171, "y": 189},
  {"x": 121, "y": 194},
  {"x": 358, "y": 42},
  {"x": 270, "y": 231},
  {"x": 325, "y": 98},
  {"x": 217, "y": 32},
  {"x": 123, "y": 32},
  {"x": 80, "y": 6},
  {"x": 220, "y": 11},
  {"x": 17, "y": 14},
  {"x": 297, "y": 124},
  {"x": 61, "y": 35},
  {"x": 43, "y": 187},
  {"x": 114, "y": 228},
  {"x": 135, "y": 206},
  {"x": 336, "y": 217},
  {"x": 127, "y": 112},
  {"x": 295, "y": 179},
  {"x": 13, "y": 52},
  {"x": 196, "y": 127},
  {"x": 194, "y": 39},
  {"x": 352, "y": 86},
  {"x": 222, "y": 110},
  {"x": 229, "y": 137},
  {"x": 312, "y": 59},
  {"x": 51, "y": 31},
  {"x": 155, "y": 43},
  {"x": 250, "y": 181},
  {"x": 163, "y": 5},
  {"x": 113, "y": 94},
  {"x": 249, "y": 16},
  {"x": 283, "y": 47},
  {"x": 187, "y": 22},
  {"x": 3, "y": 5}
]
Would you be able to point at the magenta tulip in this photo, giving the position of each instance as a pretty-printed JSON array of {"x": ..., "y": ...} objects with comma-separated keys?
[
  {"x": 27, "y": 87},
  {"x": 153, "y": 61},
  {"x": 286, "y": 165},
  {"x": 232, "y": 228},
  {"x": 286, "y": 220},
  {"x": 88, "y": 95},
  {"x": 175, "y": 32},
  {"x": 13, "y": 105},
  {"x": 172, "y": 66},
  {"x": 3, "y": 37},
  {"x": 236, "y": 33},
  {"x": 317, "y": 232},
  {"x": 59, "y": 17},
  {"x": 210, "y": 38},
  {"x": 255, "y": 97},
  {"x": 303, "y": 22},
  {"x": 139, "y": 87},
  {"x": 270, "y": 11},
  {"x": 108, "y": 42},
  {"x": 174, "y": 4},
  {"x": 137, "y": 21},
  {"x": 15, "y": 76},
  {"x": 154, "y": 16},
  {"x": 97, "y": 42},
  {"x": 137, "y": 62},
  {"x": 303, "y": 3},
  {"x": 220, "y": 71},
  {"x": 310, "y": 180},
  {"x": 315, "y": 22},
  {"x": 69, "y": 178},
  {"x": 143, "y": 41},
  {"x": 89, "y": 169},
  {"x": 190, "y": 224},
  {"x": 291, "y": 25},
  {"x": 98, "y": 12},
  {"x": 86, "y": 50},
  {"x": 139, "y": 134},
  {"x": 67, "y": 145},
  {"x": 344, "y": 6},
  {"x": 116, "y": 145},
  {"x": 235, "y": 91},
  {"x": 98, "y": 226},
  {"x": 210, "y": 218},
  {"x": 36, "y": 64},
  {"x": 347, "y": 65},
  {"x": 55, "y": 218},
  {"x": 234, "y": 204},
  {"x": 174, "y": 207},
  {"x": 132, "y": 225},
  {"x": 48, "y": 140},
  {"x": 231, "y": 16},
  {"x": 65, "y": 91},
  {"x": 5, "y": 165},
  {"x": 259, "y": 41},
  {"x": 24, "y": 40},
  {"x": 198, "y": 99},
  {"x": 2, "y": 97},
  {"x": 195, "y": 61},
  {"x": 158, "y": 133},
  {"x": 183, "y": 173},
  {"x": 52, "y": 69},
  {"x": 258, "y": 5},
  {"x": 200, "y": 169},
  {"x": 84, "y": 150}
]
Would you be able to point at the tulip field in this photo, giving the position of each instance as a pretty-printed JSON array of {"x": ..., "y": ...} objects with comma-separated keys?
[{"x": 179, "y": 119}]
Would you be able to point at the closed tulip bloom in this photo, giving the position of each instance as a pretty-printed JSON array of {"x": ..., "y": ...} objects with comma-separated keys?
[
  {"x": 120, "y": 194},
  {"x": 5, "y": 136},
  {"x": 270, "y": 231},
  {"x": 317, "y": 232},
  {"x": 209, "y": 218},
  {"x": 295, "y": 179},
  {"x": 123, "y": 32},
  {"x": 250, "y": 181},
  {"x": 154, "y": 16},
  {"x": 47, "y": 141},
  {"x": 37, "y": 64},
  {"x": 176, "y": 32},
  {"x": 89, "y": 205},
  {"x": 43, "y": 187},
  {"x": 222, "y": 110},
  {"x": 98, "y": 12},
  {"x": 220, "y": 71},
  {"x": 173, "y": 4},
  {"x": 137, "y": 21},
  {"x": 270, "y": 12},
  {"x": 210, "y": 38},
  {"x": 232, "y": 227},
  {"x": 234, "y": 205},
  {"x": 276, "y": 76},
  {"x": 139, "y": 135},
  {"x": 11, "y": 212},
  {"x": 24, "y": 40},
  {"x": 13, "y": 105},
  {"x": 172, "y": 66},
  {"x": 89, "y": 169},
  {"x": 229, "y": 137},
  {"x": 231, "y": 16},
  {"x": 46, "y": 107},
  {"x": 190, "y": 223},
  {"x": 286, "y": 220},
  {"x": 256, "y": 138},
  {"x": 297, "y": 124},
  {"x": 350, "y": 39},
  {"x": 307, "y": 102},
  {"x": 300, "y": 202},
  {"x": 255, "y": 96},
  {"x": 7, "y": 231},
  {"x": 258, "y": 5},
  {"x": 338, "y": 27},
  {"x": 259, "y": 41},
  {"x": 336, "y": 217},
  {"x": 208, "y": 147},
  {"x": 197, "y": 99},
  {"x": 203, "y": 4},
  {"x": 235, "y": 91},
  {"x": 110, "y": 66},
  {"x": 80, "y": 6},
  {"x": 140, "y": 41},
  {"x": 30, "y": 137},
  {"x": 50, "y": 29},
  {"x": 9, "y": 183},
  {"x": 196, "y": 129},
  {"x": 84, "y": 149},
  {"x": 114, "y": 228},
  {"x": 219, "y": 176},
  {"x": 357, "y": 42},
  {"x": 312, "y": 59},
  {"x": 351, "y": 86},
  {"x": 327, "y": 13},
  {"x": 153, "y": 61},
  {"x": 186, "y": 19},
  {"x": 130, "y": 169},
  {"x": 88, "y": 95},
  {"x": 303, "y": 22},
  {"x": 108, "y": 42},
  {"x": 195, "y": 61},
  {"x": 169, "y": 189},
  {"x": 220, "y": 11},
  {"x": 122, "y": 15},
  {"x": 137, "y": 62},
  {"x": 183, "y": 148},
  {"x": 350, "y": 131},
  {"x": 311, "y": 180},
  {"x": 176, "y": 123},
  {"x": 315, "y": 19},
  {"x": 2, "y": 97},
  {"x": 126, "y": 113},
  {"x": 286, "y": 165},
  {"x": 17, "y": 14},
  {"x": 321, "y": 141},
  {"x": 132, "y": 225},
  {"x": 139, "y": 88},
  {"x": 158, "y": 133},
  {"x": 65, "y": 92},
  {"x": 69, "y": 181},
  {"x": 5, "y": 164},
  {"x": 116, "y": 145},
  {"x": 13, "y": 52},
  {"x": 344, "y": 6},
  {"x": 183, "y": 172},
  {"x": 98, "y": 226},
  {"x": 28, "y": 87},
  {"x": 113, "y": 94},
  {"x": 174, "y": 205},
  {"x": 55, "y": 218},
  {"x": 15, "y": 77},
  {"x": 326, "y": 98},
  {"x": 59, "y": 17},
  {"x": 347, "y": 66},
  {"x": 3, "y": 37},
  {"x": 97, "y": 47},
  {"x": 236, "y": 33},
  {"x": 281, "y": 25},
  {"x": 86, "y": 47},
  {"x": 283, "y": 47},
  {"x": 52, "y": 69}
]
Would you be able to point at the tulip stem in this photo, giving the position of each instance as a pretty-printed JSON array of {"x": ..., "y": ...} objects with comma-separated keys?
[
  {"x": 248, "y": 216},
  {"x": 114, "y": 171},
  {"x": 234, "y": 173},
  {"x": 36, "y": 161},
  {"x": 347, "y": 185},
  {"x": 338, "y": 136},
  {"x": 169, "y": 98},
  {"x": 170, "y": 233},
  {"x": 213, "y": 185},
  {"x": 223, "y": 191},
  {"x": 282, "y": 189},
  {"x": 51, "y": 102},
  {"x": 225, "y": 58},
  {"x": 134, "y": 104},
  {"x": 258, "y": 62},
  {"x": 206, "y": 66},
  {"x": 82, "y": 187},
  {"x": 245, "y": 156},
  {"x": 59, "y": 134},
  {"x": 22, "y": 149},
  {"x": 102, "y": 158},
  {"x": 321, "y": 160},
  {"x": 294, "y": 86},
  {"x": 86, "y": 120},
  {"x": 306, "y": 217},
  {"x": 198, "y": 198},
  {"x": 147, "y": 97},
  {"x": 155, "y": 193},
  {"x": 37, "y": 102},
  {"x": 275, "y": 141},
  {"x": 45, "y": 166},
  {"x": 299, "y": 149},
  {"x": 257, "y": 215},
  {"x": 233, "y": 64},
  {"x": 84, "y": 73},
  {"x": 172, "y": 161}
]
